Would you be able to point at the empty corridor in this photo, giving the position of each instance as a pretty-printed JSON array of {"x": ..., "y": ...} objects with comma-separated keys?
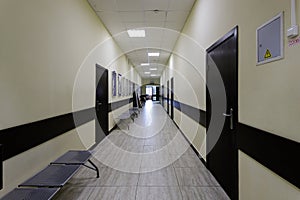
[{"x": 151, "y": 160}]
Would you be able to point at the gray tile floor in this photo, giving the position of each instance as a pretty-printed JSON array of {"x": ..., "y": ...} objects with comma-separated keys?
[{"x": 151, "y": 161}]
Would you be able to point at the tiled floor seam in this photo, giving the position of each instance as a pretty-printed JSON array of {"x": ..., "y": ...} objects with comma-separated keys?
[
  {"x": 136, "y": 191},
  {"x": 177, "y": 182}
]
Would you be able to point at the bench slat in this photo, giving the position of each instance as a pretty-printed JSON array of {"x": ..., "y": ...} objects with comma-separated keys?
[
  {"x": 31, "y": 194},
  {"x": 52, "y": 176},
  {"x": 73, "y": 157}
]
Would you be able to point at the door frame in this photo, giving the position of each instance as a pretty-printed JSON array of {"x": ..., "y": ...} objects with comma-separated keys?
[
  {"x": 163, "y": 96},
  {"x": 231, "y": 33},
  {"x": 172, "y": 98}
]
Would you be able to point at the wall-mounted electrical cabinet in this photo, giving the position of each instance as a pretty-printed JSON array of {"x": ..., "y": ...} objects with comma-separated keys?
[{"x": 270, "y": 40}]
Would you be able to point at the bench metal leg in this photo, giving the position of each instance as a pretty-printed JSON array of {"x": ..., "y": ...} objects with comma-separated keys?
[{"x": 95, "y": 167}]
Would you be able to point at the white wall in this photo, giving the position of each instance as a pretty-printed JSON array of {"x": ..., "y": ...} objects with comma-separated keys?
[
  {"x": 48, "y": 53},
  {"x": 268, "y": 97},
  {"x": 189, "y": 88},
  {"x": 148, "y": 81}
]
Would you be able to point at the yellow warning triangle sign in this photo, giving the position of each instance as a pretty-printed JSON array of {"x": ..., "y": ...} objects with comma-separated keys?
[{"x": 268, "y": 54}]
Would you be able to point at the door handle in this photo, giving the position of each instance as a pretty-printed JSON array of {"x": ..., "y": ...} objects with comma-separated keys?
[
  {"x": 227, "y": 115},
  {"x": 231, "y": 117},
  {"x": 98, "y": 105}
]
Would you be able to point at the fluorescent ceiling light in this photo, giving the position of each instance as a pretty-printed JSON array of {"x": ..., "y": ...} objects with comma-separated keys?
[
  {"x": 147, "y": 72},
  {"x": 153, "y": 75},
  {"x": 153, "y": 54},
  {"x": 153, "y": 69},
  {"x": 145, "y": 64},
  {"x": 136, "y": 33}
]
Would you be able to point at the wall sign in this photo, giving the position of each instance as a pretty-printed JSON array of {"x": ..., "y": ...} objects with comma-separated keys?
[
  {"x": 119, "y": 84},
  {"x": 270, "y": 40},
  {"x": 294, "y": 41},
  {"x": 114, "y": 83}
]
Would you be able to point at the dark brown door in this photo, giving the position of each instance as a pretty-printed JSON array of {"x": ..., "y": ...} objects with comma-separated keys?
[
  {"x": 153, "y": 97},
  {"x": 222, "y": 160},
  {"x": 101, "y": 103},
  {"x": 172, "y": 98},
  {"x": 157, "y": 93},
  {"x": 163, "y": 96}
]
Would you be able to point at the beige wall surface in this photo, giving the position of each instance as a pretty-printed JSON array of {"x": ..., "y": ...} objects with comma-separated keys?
[
  {"x": 43, "y": 44},
  {"x": 268, "y": 97},
  {"x": 48, "y": 54},
  {"x": 265, "y": 184},
  {"x": 189, "y": 88},
  {"x": 267, "y": 94}
]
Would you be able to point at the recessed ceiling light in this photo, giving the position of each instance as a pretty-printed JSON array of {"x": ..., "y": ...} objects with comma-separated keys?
[
  {"x": 145, "y": 64},
  {"x": 147, "y": 72},
  {"x": 156, "y": 54},
  {"x": 153, "y": 69},
  {"x": 136, "y": 33},
  {"x": 153, "y": 75}
]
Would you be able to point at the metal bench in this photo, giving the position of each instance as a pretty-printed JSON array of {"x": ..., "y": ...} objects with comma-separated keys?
[
  {"x": 135, "y": 111},
  {"x": 45, "y": 184},
  {"x": 52, "y": 176},
  {"x": 31, "y": 193},
  {"x": 125, "y": 116},
  {"x": 76, "y": 158}
]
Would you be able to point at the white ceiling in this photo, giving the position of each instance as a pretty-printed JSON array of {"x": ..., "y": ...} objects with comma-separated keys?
[{"x": 162, "y": 20}]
